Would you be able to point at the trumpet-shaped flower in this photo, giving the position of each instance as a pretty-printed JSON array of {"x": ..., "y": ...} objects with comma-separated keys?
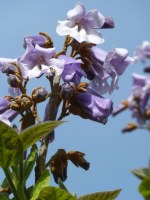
[
  {"x": 72, "y": 71},
  {"x": 82, "y": 25},
  {"x": 111, "y": 66},
  {"x": 90, "y": 105},
  {"x": 36, "y": 56},
  {"x": 34, "y": 39},
  {"x": 6, "y": 114}
]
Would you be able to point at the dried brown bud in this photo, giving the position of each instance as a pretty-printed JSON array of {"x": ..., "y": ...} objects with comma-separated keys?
[
  {"x": 58, "y": 165},
  {"x": 130, "y": 127},
  {"x": 77, "y": 158},
  {"x": 21, "y": 103}
]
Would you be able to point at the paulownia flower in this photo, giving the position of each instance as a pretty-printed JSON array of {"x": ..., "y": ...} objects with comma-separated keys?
[
  {"x": 82, "y": 25},
  {"x": 90, "y": 105}
]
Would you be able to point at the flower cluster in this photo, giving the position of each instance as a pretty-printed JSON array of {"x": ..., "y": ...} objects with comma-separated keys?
[
  {"x": 139, "y": 100},
  {"x": 86, "y": 61}
]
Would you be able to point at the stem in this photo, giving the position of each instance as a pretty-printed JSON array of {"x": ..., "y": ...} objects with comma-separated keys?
[
  {"x": 11, "y": 184},
  {"x": 53, "y": 107}
]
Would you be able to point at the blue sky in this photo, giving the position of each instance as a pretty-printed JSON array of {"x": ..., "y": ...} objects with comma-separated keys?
[{"x": 112, "y": 155}]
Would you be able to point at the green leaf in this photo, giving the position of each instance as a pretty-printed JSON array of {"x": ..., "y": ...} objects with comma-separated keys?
[
  {"x": 141, "y": 173},
  {"x": 144, "y": 188},
  {"x": 109, "y": 195},
  {"x": 4, "y": 196},
  {"x": 30, "y": 161},
  {"x": 11, "y": 148},
  {"x": 61, "y": 185},
  {"x": 41, "y": 183},
  {"x": 34, "y": 133},
  {"x": 53, "y": 193}
]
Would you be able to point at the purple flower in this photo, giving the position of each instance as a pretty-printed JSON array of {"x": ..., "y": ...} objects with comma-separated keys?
[
  {"x": 34, "y": 39},
  {"x": 143, "y": 52},
  {"x": 36, "y": 56},
  {"x": 97, "y": 57},
  {"x": 93, "y": 59},
  {"x": 72, "y": 71},
  {"x": 138, "y": 101},
  {"x": 82, "y": 25},
  {"x": 109, "y": 22},
  {"x": 55, "y": 66},
  {"x": 6, "y": 115},
  {"x": 4, "y": 104},
  {"x": 141, "y": 91},
  {"x": 114, "y": 65},
  {"x": 92, "y": 106}
]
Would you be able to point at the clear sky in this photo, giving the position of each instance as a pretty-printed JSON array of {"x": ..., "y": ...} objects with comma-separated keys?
[{"x": 112, "y": 155}]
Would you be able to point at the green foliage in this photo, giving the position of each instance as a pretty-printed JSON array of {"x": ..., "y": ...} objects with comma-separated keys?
[
  {"x": 109, "y": 195},
  {"x": 53, "y": 193},
  {"x": 11, "y": 148},
  {"x": 30, "y": 161},
  {"x": 34, "y": 133},
  {"x": 4, "y": 196},
  {"x": 41, "y": 183},
  {"x": 144, "y": 188},
  {"x": 141, "y": 173}
]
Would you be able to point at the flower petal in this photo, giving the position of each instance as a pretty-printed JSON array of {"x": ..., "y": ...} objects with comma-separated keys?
[
  {"x": 95, "y": 19},
  {"x": 76, "y": 14},
  {"x": 34, "y": 39},
  {"x": 64, "y": 27},
  {"x": 93, "y": 36},
  {"x": 4, "y": 61}
]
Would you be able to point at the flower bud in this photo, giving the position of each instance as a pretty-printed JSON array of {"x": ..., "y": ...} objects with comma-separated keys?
[
  {"x": 39, "y": 94},
  {"x": 26, "y": 103},
  {"x": 147, "y": 69},
  {"x": 109, "y": 23},
  {"x": 9, "y": 69},
  {"x": 14, "y": 81},
  {"x": 77, "y": 158},
  {"x": 66, "y": 90},
  {"x": 21, "y": 103},
  {"x": 130, "y": 127},
  {"x": 58, "y": 165}
]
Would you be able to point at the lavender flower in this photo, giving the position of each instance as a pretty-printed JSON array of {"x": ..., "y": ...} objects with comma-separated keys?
[
  {"x": 90, "y": 105},
  {"x": 82, "y": 25},
  {"x": 36, "y": 56},
  {"x": 34, "y": 39},
  {"x": 114, "y": 65},
  {"x": 4, "y": 104},
  {"x": 6, "y": 115},
  {"x": 109, "y": 22},
  {"x": 138, "y": 101},
  {"x": 72, "y": 71},
  {"x": 143, "y": 52},
  {"x": 93, "y": 60}
]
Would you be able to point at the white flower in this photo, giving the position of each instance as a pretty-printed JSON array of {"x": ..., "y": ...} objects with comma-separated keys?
[{"x": 82, "y": 25}]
